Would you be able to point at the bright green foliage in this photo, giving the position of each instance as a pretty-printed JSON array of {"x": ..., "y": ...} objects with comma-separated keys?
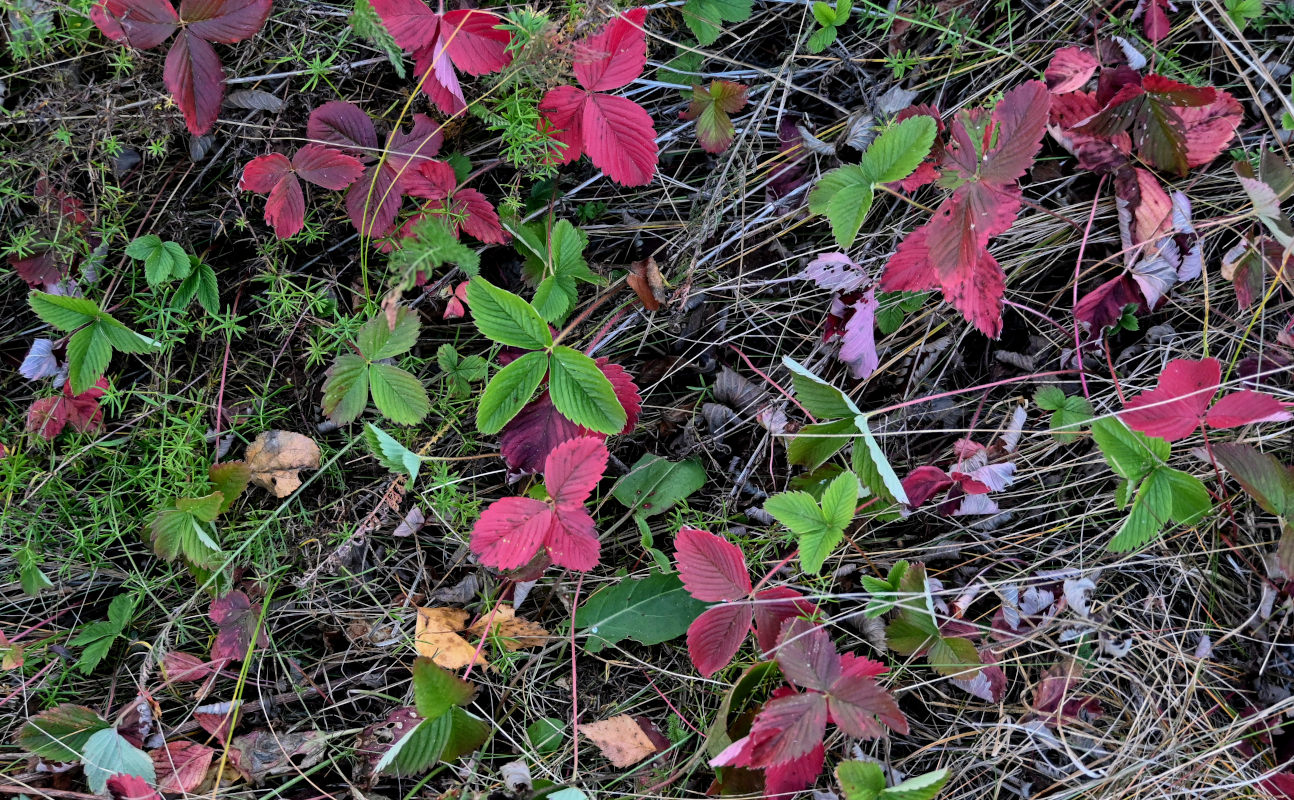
[
  {"x": 653, "y": 486},
  {"x": 914, "y": 629},
  {"x": 819, "y": 441},
  {"x": 390, "y": 453},
  {"x": 398, "y": 395},
  {"x": 97, "y": 335},
  {"x": 199, "y": 283},
  {"x": 188, "y": 530},
  {"x": 1067, "y": 413},
  {"x": 459, "y": 372},
  {"x": 578, "y": 387},
  {"x": 60, "y": 733},
  {"x": 445, "y": 732},
  {"x": 368, "y": 26},
  {"x": 1242, "y": 12},
  {"x": 705, "y": 18},
  {"x": 844, "y": 195},
  {"x": 430, "y": 245},
  {"x": 97, "y": 638},
  {"x": 163, "y": 261},
  {"x": 817, "y": 527},
  {"x": 546, "y": 734},
  {"x": 683, "y": 71},
  {"x": 31, "y": 577},
  {"x": 885, "y": 593},
  {"x": 864, "y": 780},
  {"x": 651, "y": 610},
  {"x": 554, "y": 264},
  {"x": 107, "y": 753},
  {"x": 831, "y": 19},
  {"x": 894, "y": 307},
  {"x": 1159, "y": 494},
  {"x": 230, "y": 479}
]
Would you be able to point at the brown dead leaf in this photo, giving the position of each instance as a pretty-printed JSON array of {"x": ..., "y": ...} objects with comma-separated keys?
[
  {"x": 516, "y": 633},
  {"x": 276, "y": 457},
  {"x": 647, "y": 282},
  {"x": 436, "y": 636},
  {"x": 621, "y": 739}
]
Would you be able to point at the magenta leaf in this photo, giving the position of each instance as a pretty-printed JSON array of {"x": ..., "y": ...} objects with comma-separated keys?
[
  {"x": 807, "y": 656},
  {"x": 773, "y": 607},
  {"x": 714, "y": 638},
  {"x": 711, "y": 568},
  {"x": 1244, "y": 408},
  {"x": 1178, "y": 404},
  {"x": 1070, "y": 69},
  {"x": 326, "y": 167},
  {"x": 48, "y": 416},
  {"x": 224, "y": 21},
  {"x": 343, "y": 125},
  {"x": 237, "y": 619},
  {"x": 620, "y": 139},
  {"x": 615, "y": 55},
  {"x": 136, "y": 23},
  {"x": 788, "y": 728},
  {"x": 196, "y": 81}
]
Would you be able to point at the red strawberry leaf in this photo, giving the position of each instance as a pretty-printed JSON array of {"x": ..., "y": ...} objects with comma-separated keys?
[
  {"x": 465, "y": 209},
  {"x": 237, "y": 619},
  {"x": 925, "y": 482},
  {"x": 620, "y": 139},
  {"x": 796, "y": 775},
  {"x": 1244, "y": 408},
  {"x": 1154, "y": 14},
  {"x": 712, "y": 569},
  {"x": 1102, "y": 307},
  {"x": 48, "y": 416},
  {"x": 410, "y": 22},
  {"x": 1178, "y": 404},
  {"x": 807, "y": 655},
  {"x": 563, "y": 110},
  {"x": 196, "y": 81},
  {"x": 224, "y": 21},
  {"x": 181, "y": 766},
  {"x": 859, "y": 706},
  {"x": 787, "y": 728},
  {"x": 136, "y": 23},
  {"x": 615, "y": 55},
  {"x": 514, "y": 529},
  {"x": 326, "y": 167},
  {"x": 130, "y": 787},
  {"x": 343, "y": 125},
  {"x": 715, "y": 637},
  {"x": 285, "y": 208},
  {"x": 773, "y": 607},
  {"x": 44, "y": 269},
  {"x": 1070, "y": 69}
]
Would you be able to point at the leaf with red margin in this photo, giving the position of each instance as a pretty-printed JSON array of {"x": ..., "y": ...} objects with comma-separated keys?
[
  {"x": 131, "y": 787},
  {"x": 1178, "y": 404},
  {"x": 807, "y": 656},
  {"x": 796, "y": 775},
  {"x": 326, "y": 167},
  {"x": 1245, "y": 407},
  {"x": 43, "y": 269},
  {"x": 1210, "y": 128},
  {"x": 1096, "y": 153},
  {"x": 343, "y": 125},
  {"x": 1155, "y": 18},
  {"x": 858, "y": 705},
  {"x": 237, "y": 618},
  {"x": 181, "y": 766},
  {"x": 712, "y": 569},
  {"x": 49, "y": 415},
  {"x": 715, "y": 637},
  {"x": 711, "y": 107},
  {"x": 615, "y": 55},
  {"x": 196, "y": 81},
  {"x": 1070, "y": 69},
  {"x": 466, "y": 209},
  {"x": 512, "y": 530},
  {"x": 529, "y": 437},
  {"x": 137, "y": 23},
  {"x": 620, "y": 139},
  {"x": 224, "y": 21}
]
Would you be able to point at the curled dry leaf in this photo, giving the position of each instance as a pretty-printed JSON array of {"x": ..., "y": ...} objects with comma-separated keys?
[
  {"x": 621, "y": 739},
  {"x": 514, "y": 632},
  {"x": 276, "y": 459},
  {"x": 645, "y": 279}
]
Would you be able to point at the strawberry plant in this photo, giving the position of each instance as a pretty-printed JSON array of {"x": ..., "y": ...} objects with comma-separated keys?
[
  {"x": 465, "y": 210},
  {"x": 914, "y": 630},
  {"x": 1180, "y": 403},
  {"x": 95, "y": 335},
  {"x": 818, "y": 526},
  {"x": 555, "y": 266},
  {"x": 712, "y": 107},
  {"x": 713, "y": 570},
  {"x": 438, "y": 729},
  {"x": 187, "y": 527},
  {"x": 615, "y": 132},
  {"x": 986, "y": 155},
  {"x": 864, "y": 780},
  {"x": 193, "y": 73},
  {"x": 353, "y": 378},
  {"x": 515, "y": 531},
  {"x": 168, "y": 261},
  {"x": 48, "y": 416},
  {"x": 280, "y": 178},
  {"x": 830, "y": 19}
]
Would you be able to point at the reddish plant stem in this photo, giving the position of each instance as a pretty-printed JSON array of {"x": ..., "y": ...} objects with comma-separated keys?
[
  {"x": 1114, "y": 376},
  {"x": 48, "y": 665},
  {"x": 605, "y": 329},
  {"x": 480, "y": 645},
  {"x": 671, "y": 707},
  {"x": 774, "y": 570},
  {"x": 1078, "y": 269},
  {"x": 772, "y": 382},
  {"x": 224, "y": 371}
]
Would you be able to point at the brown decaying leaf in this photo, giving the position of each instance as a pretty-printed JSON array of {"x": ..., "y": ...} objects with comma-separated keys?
[
  {"x": 436, "y": 637},
  {"x": 621, "y": 739},
  {"x": 276, "y": 458},
  {"x": 263, "y": 753},
  {"x": 516, "y": 633},
  {"x": 645, "y": 279}
]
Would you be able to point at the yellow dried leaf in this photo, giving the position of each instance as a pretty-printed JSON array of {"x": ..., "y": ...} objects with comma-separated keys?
[
  {"x": 436, "y": 636},
  {"x": 516, "y": 633},
  {"x": 621, "y": 739}
]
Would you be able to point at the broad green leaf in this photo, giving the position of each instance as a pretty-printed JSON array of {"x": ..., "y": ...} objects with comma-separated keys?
[
  {"x": 815, "y": 443},
  {"x": 390, "y": 453},
  {"x": 509, "y": 390},
  {"x": 230, "y": 479},
  {"x": 1191, "y": 500},
  {"x": 162, "y": 260},
  {"x": 1151, "y": 511},
  {"x": 682, "y": 71},
  {"x": 884, "y": 592},
  {"x": 107, "y": 753},
  {"x": 860, "y": 780},
  {"x": 821, "y": 39},
  {"x": 899, "y": 149},
  {"x": 952, "y": 656},
  {"x": 554, "y": 262},
  {"x": 418, "y": 750},
  {"x": 817, "y": 528},
  {"x": 651, "y": 610},
  {"x": 123, "y": 339},
  {"x": 920, "y": 787},
  {"x": 175, "y": 533},
  {"x": 33, "y": 580},
  {"x": 1263, "y": 478},
  {"x": 88, "y": 354},
  {"x": 345, "y": 390},
  {"x": 200, "y": 282},
  {"x": 582, "y": 393},
  {"x": 797, "y": 511},
  {"x": 874, "y": 468},
  {"x": 62, "y": 312},
  {"x": 466, "y": 734},
  {"x": 546, "y": 734},
  {"x": 1129, "y": 453},
  {"x": 60, "y": 733},
  {"x": 654, "y": 485},
  {"x": 824, "y": 14},
  {"x": 502, "y": 316},
  {"x": 908, "y": 633},
  {"x": 1068, "y": 413},
  {"x": 555, "y": 297},
  {"x": 839, "y": 500},
  {"x": 378, "y": 340},
  {"x": 436, "y": 690},
  {"x": 399, "y": 395},
  {"x": 705, "y": 18},
  {"x": 204, "y": 508},
  {"x": 1049, "y": 398},
  {"x": 853, "y": 188},
  {"x": 818, "y": 397}
]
